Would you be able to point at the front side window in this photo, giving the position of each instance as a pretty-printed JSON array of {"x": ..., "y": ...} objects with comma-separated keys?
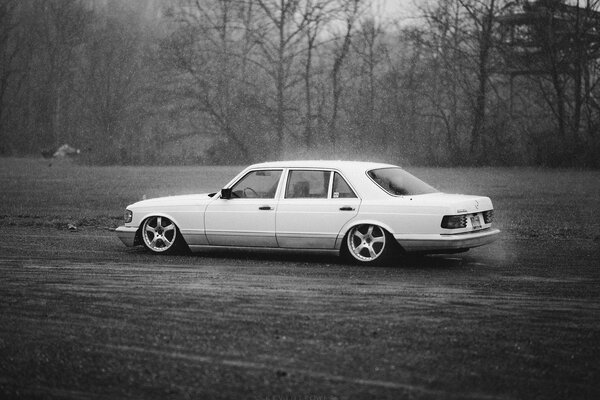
[
  {"x": 398, "y": 182},
  {"x": 307, "y": 184},
  {"x": 257, "y": 185}
]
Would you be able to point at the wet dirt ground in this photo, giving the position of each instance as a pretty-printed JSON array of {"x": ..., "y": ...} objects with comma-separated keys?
[{"x": 83, "y": 317}]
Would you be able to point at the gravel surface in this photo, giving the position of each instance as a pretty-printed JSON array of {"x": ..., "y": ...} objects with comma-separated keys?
[{"x": 83, "y": 317}]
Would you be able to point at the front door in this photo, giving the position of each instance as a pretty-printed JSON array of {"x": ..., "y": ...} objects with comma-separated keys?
[{"x": 248, "y": 218}]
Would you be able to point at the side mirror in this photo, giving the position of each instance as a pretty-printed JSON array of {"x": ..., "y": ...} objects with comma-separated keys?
[{"x": 226, "y": 194}]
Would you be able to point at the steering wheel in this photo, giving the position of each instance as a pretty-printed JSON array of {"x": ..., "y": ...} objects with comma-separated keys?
[{"x": 250, "y": 191}]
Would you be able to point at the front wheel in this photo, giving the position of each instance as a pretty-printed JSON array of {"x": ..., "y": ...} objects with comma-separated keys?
[
  {"x": 369, "y": 244},
  {"x": 160, "y": 235}
]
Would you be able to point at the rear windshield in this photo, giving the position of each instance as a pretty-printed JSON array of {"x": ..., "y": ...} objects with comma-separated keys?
[{"x": 398, "y": 182}]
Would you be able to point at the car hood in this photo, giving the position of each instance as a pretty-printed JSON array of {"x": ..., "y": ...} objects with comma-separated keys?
[
  {"x": 455, "y": 203},
  {"x": 181, "y": 200}
]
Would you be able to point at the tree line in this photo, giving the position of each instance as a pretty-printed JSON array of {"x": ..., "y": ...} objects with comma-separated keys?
[{"x": 466, "y": 82}]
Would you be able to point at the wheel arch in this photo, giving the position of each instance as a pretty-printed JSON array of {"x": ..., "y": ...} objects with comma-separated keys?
[
  {"x": 340, "y": 240},
  {"x": 150, "y": 214}
]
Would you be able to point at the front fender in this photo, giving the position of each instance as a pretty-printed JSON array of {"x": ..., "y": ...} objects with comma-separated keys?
[{"x": 190, "y": 222}]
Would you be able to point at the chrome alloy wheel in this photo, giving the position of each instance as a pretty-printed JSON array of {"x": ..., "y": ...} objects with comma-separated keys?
[
  {"x": 366, "y": 243},
  {"x": 159, "y": 234}
]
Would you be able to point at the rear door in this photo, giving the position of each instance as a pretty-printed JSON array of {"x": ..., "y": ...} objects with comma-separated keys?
[{"x": 313, "y": 208}]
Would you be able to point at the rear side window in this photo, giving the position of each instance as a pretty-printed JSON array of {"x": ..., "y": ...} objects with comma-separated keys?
[
  {"x": 341, "y": 189},
  {"x": 398, "y": 182},
  {"x": 303, "y": 184}
]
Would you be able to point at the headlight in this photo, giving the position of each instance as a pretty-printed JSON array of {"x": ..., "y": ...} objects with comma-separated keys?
[{"x": 128, "y": 216}]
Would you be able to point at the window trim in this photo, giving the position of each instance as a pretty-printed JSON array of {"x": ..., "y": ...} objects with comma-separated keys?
[
  {"x": 287, "y": 182},
  {"x": 332, "y": 171}
]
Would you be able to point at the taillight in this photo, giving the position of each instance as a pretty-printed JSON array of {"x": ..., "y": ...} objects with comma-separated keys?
[
  {"x": 454, "y": 221},
  {"x": 488, "y": 216}
]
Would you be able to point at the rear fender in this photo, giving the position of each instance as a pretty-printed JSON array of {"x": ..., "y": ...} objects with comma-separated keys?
[{"x": 346, "y": 228}]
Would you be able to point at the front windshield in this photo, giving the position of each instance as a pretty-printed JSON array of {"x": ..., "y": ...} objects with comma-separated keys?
[{"x": 398, "y": 182}]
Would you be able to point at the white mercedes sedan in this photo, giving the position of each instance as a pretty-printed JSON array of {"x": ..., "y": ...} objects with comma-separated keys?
[{"x": 369, "y": 212}]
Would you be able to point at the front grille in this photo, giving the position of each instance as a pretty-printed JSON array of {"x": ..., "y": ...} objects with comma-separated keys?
[{"x": 488, "y": 216}]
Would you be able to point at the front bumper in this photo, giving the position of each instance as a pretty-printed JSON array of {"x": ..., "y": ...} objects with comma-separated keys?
[
  {"x": 450, "y": 243},
  {"x": 128, "y": 234}
]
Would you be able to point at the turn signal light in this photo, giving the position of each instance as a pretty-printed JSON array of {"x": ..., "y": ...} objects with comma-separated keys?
[
  {"x": 128, "y": 216},
  {"x": 454, "y": 221}
]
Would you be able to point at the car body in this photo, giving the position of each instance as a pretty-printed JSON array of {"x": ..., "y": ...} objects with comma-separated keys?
[{"x": 362, "y": 209}]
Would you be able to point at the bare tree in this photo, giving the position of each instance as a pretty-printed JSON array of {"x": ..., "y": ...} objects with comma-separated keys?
[
  {"x": 317, "y": 14},
  {"x": 210, "y": 49},
  {"x": 350, "y": 11},
  {"x": 444, "y": 38},
  {"x": 370, "y": 50},
  {"x": 111, "y": 84},
  {"x": 11, "y": 71},
  {"x": 60, "y": 30},
  {"x": 555, "y": 45},
  {"x": 279, "y": 35},
  {"x": 482, "y": 15}
]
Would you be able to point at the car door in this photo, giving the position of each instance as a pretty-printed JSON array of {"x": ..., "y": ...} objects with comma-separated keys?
[
  {"x": 248, "y": 217},
  {"x": 314, "y": 207}
]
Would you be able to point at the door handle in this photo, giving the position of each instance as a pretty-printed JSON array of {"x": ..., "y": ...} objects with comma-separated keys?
[
  {"x": 265, "y": 208},
  {"x": 346, "y": 208}
]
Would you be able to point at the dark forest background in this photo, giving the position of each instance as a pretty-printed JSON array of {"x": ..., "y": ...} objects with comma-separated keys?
[{"x": 464, "y": 82}]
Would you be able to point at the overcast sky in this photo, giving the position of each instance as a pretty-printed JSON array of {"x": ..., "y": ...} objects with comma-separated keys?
[{"x": 395, "y": 9}]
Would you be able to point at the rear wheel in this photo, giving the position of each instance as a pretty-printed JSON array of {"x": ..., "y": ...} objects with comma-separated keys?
[
  {"x": 161, "y": 235},
  {"x": 369, "y": 244}
]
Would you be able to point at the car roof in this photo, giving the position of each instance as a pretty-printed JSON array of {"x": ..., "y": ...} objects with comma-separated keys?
[{"x": 341, "y": 165}]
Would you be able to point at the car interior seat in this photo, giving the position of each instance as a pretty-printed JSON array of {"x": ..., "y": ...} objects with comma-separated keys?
[{"x": 301, "y": 189}]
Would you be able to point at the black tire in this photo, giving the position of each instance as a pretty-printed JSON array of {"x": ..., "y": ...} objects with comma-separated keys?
[
  {"x": 160, "y": 235},
  {"x": 369, "y": 244}
]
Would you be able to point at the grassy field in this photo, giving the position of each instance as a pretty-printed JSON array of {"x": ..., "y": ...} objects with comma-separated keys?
[
  {"x": 40, "y": 192},
  {"x": 550, "y": 204}
]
